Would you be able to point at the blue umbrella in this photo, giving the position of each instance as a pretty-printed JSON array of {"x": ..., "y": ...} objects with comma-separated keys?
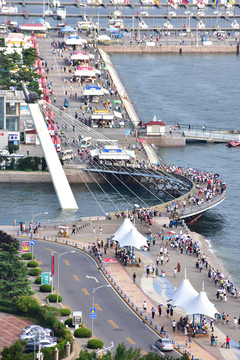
[
  {"x": 168, "y": 237},
  {"x": 68, "y": 29},
  {"x": 40, "y": 20}
]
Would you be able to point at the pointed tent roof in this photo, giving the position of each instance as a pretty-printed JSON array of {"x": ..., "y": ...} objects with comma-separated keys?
[
  {"x": 201, "y": 305},
  {"x": 133, "y": 238},
  {"x": 184, "y": 293},
  {"x": 123, "y": 230}
]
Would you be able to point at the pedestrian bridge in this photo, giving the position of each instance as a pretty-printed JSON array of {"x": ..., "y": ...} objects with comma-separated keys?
[{"x": 210, "y": 136}]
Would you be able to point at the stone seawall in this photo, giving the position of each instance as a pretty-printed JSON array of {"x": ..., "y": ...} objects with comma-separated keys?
[
  {"x": 73, "y": 176},
  {"x": 172, "y": 49}
]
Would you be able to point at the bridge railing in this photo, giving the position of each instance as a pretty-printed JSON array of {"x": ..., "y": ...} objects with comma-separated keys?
[{"x": 211, "y": 135}]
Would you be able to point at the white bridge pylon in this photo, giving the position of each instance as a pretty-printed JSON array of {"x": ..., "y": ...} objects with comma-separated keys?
[{"x": 58, "y": 176}]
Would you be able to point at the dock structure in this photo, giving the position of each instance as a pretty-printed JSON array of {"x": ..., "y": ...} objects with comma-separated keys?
[
  {"x": 121, "y": 90},
  {"x": 210, "y": 136}
]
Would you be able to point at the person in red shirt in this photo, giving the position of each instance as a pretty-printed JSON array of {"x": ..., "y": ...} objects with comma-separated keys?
[{"x": 227, "y": 342}]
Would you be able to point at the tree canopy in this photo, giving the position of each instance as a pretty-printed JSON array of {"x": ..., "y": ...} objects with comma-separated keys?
[
  {"x": 15, "y": 68},
  {"x": 13, "y": 272}
]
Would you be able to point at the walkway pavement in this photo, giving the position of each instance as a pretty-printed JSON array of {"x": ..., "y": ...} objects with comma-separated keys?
[{"x": 158, "y": 290}]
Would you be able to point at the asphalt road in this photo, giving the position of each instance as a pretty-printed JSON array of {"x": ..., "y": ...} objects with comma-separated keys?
[{"x": 115, "y": 321}]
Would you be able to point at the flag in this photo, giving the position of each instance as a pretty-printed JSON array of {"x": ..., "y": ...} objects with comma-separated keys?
[
  {"x": 171, "y": 2},
  {"x": 96, "y": 2},
  {"x": 215, "y": 1},
  {"x": 140, "y": 2},
  {"x": 185, "y": 2},
  {"x": 126, "y": 2},
  {"x": 156, "y": 2}
]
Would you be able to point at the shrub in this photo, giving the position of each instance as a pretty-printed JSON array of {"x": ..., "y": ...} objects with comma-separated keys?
[
  {"x": 65, "y": 312},
  {"x": 34, "y": 272},
  {"x": 27, "y": 305},
  {"x": 82, "y": 333},
  {"x": 45, "y": 288},
  {"x": 95, "y": 344},
  {"x": 28, "y": 256},
  {"x": 68, "y": 322},
  {"x": 53, "y": 298},
  {"x": 32, "y": 264},
  {"x": 38, "y": 280}
]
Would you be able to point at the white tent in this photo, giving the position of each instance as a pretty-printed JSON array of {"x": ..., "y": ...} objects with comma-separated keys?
[
  {"x": 104, "y": 38},
  {"x": 85, "y": 72},
  {"x": 201, "y": 305},
  {"x": 80, "y": 56},
  {"x": 93, "y": 92},
  {"x": 75, "y": 41},
  {"x": 133, "y": 238},
  {"x": 184, "y": 293},
  {"x": 124, "y": 229}
]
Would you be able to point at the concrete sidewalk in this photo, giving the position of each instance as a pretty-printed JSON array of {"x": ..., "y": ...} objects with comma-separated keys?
[{"x": 153, "y": 290}]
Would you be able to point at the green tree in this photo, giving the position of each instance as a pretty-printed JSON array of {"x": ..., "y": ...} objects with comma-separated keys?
[
  {"x": 15, "y": 351},
  {"x": 29, "y": 56},
  {"x": 13, "y": 272}
]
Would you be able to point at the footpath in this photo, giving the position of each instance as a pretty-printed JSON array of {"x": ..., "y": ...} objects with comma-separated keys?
[{"x": 156, "y": 290}]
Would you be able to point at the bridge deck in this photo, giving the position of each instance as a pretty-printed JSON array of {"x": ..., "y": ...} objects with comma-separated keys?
[{"x": 210, "y": 136}]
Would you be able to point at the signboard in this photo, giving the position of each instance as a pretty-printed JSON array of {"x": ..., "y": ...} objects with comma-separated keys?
[
  {"x": 77, "y": 318},
  {"x": 26, "y": 247},
  {"x": 53, "y": 265},
  {"x": 32, "y": 242},
  {"x": 13, "y": 136},
  {"x": 92, "y": 313},
  {"x": 45, "y": 278}
]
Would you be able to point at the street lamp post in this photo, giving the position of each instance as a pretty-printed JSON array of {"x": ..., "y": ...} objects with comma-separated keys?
[
  {"x": 94, "y": 290},
  {"x": 59, "y": 257}
]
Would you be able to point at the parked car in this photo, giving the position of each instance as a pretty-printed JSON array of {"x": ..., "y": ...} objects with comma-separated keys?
[
  {"x": 39, "y": 344},
  {"x": 164, "y": 344},
  {"x": 41, "y": 333},
  {"x": 31, "y": 328}
]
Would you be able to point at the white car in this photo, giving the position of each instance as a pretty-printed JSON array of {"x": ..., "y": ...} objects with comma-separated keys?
[
  {"x": 172, "y": 13},
  {"x": 164, "y": 344},
  {"x": 229, "y": 13},
  {"x": 34, "y": 334},
  {"x": 187, "y": 12},
  {"x": 201, "y": 13},
  {"x": 31, "y": 328}
]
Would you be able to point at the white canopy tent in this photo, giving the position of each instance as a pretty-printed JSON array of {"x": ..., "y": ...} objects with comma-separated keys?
[
  {"x": 103, "y": 38},
  {"x": 80, "y": 56},
  {"x": 184, "y": 293},
  {"x": 75, "y": 41},
  {"x": 93, "y": 92},
  {"x": 85, "y": 72},
  {"x": 133, "y": 238},
  {"x": 124, "y": 229},
  {"x": 201, "y": 305}
]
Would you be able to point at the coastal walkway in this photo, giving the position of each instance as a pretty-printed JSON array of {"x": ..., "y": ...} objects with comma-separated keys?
[{"x": 156, "y": 290}]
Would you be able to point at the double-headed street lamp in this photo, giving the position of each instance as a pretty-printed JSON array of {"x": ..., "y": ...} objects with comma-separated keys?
[
  {"x": 94, "y": 290},
  {"x": 59, "y": 257}
]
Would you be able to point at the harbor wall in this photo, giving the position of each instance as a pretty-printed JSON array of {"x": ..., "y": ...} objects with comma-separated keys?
[
  {"x": 171, "y": 49},
  {"x": 74, "y": 176}
]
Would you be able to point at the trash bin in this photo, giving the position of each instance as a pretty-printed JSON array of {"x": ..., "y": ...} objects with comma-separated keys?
[{"x": 163, "y": 273}]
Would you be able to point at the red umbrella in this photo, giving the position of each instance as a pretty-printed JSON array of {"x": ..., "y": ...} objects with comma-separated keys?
[{"x": 109, "y": 260}]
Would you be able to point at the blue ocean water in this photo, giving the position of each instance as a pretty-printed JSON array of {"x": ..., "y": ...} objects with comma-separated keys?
[{"x": 196, "y": 90}]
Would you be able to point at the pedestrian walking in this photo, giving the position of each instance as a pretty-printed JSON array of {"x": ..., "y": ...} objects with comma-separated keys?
[
  {"x": 100, "y": 230},
  {"x": 134, "y": 277},
  {"x": 216, "y": 341},
  {"x": 212, "y": 339},
  {"x": 171, "y": 311},
  {"x": 189, "y": 340},
  {"x": 235, "y": 323},
  {"x": 94, "y": 231},
  {"x": 144, "y": 306},
  {"x": 228, "y": 342},
  {"x": 174, "y": 325},
  {"x": 175, "y": 272},
  {"x": 159, "y": 310},
  {"x": 153, "y": 312}
]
